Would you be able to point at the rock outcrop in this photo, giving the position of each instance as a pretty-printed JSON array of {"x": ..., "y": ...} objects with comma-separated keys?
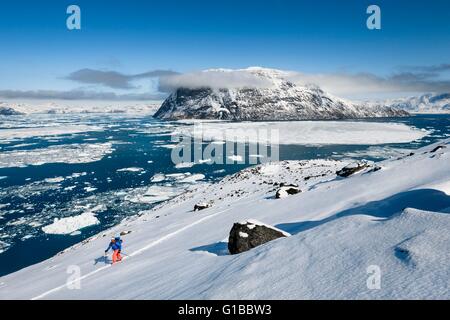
[
  {"x": 250, "y": 234},
  {"x": 287, "y": 190},
  {"x": 202, "y": 206},
  {"x": 352, "y": 169}
]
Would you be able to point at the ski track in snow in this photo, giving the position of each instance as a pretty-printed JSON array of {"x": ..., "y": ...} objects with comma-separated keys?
[{"x": 135, "y": 253}]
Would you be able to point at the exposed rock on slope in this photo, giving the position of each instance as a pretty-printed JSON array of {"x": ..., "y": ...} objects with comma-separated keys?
[
  {"x": 250, "y": 234},
  {"x": 279, "y": 100},
  {"x": 288, "y": 190},
  {"x": 352, "y": 168}
]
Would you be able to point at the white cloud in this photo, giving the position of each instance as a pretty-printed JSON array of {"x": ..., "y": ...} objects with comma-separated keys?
[
  {"x": 416, "y": 79},
  {"x": 215, "y": 79}
]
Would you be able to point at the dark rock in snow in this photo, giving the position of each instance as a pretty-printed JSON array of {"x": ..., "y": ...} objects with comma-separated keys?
[
  {"x": 5, "y": 111},
  {"x": 375, "y": 169},
  {"x": 202, "y": 206},
  {"x": 250, "y": 234},
  {"x": 352, "y": 169},
  {"x": 437, "y": 149},
  {"x": 287, "y": 190}
]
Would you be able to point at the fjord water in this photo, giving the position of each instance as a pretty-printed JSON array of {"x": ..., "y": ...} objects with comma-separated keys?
[{"x": 31, "y": 197}]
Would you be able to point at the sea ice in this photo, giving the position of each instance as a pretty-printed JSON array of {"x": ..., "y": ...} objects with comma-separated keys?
[
  {"x": 72, "y": 224},
  {"x": 306, "y": 132},
  {"x": 131, "y": 169},
  {"x": 70, "y": 153}
]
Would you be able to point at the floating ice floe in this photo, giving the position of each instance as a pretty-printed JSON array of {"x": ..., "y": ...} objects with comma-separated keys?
[
  {"x": 54, "y": 180},
  {"x": 202, "y": 161},
  {"x": 158, "y": 177},
  {"x": 168, "y": 146},
  {"x": 71, "y": 224},
  {"x": 193, "y": 178},
  {"x": 155, "y": 194},
  {"x": 21, "y": 145},
  {"x": 70, "y": 153},
  {"x": 131, "y": 169},
  {"x": 4, "y": 246},
  {"x": 236, "y": 158},
  {"x": 184, "y": 165}
]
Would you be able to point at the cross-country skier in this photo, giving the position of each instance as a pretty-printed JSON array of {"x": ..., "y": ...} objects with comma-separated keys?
[{"x": 116, "y": 246}]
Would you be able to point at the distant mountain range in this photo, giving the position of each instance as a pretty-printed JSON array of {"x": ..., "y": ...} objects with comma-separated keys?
[
  {"x": 11, "y": 108},
  {"x": 427, "y": 103},
  {"x": 280, "y": 100},
  {"x": 6, "y": 111}
]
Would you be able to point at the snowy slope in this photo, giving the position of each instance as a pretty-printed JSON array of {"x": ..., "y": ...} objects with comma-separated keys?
[
  {"x": 339, "y": 228},
  {"x": 277, "y": 99},
  {"x": 427, "y": 103}
]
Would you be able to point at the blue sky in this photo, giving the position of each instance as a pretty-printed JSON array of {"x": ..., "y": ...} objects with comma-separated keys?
[{"x": 130, "y": 37}]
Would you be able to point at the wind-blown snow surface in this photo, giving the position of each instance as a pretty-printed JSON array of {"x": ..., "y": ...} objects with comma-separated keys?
[{"x": 393, "y": 218}]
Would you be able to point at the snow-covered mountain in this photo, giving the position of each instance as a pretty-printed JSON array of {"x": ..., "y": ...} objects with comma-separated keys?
[
  {"x": 279, "y": 99},
  {"x": 390, "y": 219},
  {"x": 7, "y": 111},
  {"x": 427, "y": 103}
]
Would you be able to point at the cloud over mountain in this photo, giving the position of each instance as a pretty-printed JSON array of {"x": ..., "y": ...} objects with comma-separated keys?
[
  {"x": 214, "y": 78},
  {"x": 114, "y": 79}
]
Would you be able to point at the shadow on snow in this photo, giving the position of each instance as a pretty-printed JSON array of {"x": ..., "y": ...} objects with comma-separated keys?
[{"x": 422, "y": 199}]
